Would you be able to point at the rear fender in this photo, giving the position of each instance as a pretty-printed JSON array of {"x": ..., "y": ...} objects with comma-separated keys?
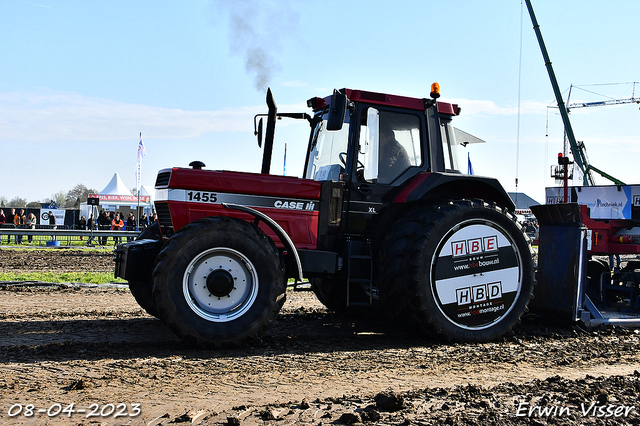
[{"x": 431, "y": 186}]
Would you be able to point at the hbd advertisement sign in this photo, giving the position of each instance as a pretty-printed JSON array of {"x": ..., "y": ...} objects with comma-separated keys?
[
  {"x": 478, "y": 293},
  {"x": 477, "y": 276}
]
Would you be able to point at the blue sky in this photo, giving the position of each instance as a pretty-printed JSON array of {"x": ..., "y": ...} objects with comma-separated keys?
[{"x": 80, "y": 80}]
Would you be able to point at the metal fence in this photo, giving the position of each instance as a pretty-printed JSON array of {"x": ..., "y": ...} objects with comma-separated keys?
[{"x": 46, "y": 235}]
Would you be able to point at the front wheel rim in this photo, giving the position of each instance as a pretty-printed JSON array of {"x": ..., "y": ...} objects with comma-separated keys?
[
  {"x": 206, "y": 292},
  {"x": 476, "y": 274}
]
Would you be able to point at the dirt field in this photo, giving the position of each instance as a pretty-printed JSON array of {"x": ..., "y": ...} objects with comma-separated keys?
[{"x": 93, "y": 347}]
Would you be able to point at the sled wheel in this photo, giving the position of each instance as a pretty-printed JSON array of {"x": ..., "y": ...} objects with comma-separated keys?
[
  {"x": 142, "y": 291},
  {"x": 464, "y": 268},
  {"x": 219, "y": 281}
]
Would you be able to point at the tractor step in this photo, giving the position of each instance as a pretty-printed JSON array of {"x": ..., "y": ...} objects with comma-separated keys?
[{"x": 359, "y": 272}]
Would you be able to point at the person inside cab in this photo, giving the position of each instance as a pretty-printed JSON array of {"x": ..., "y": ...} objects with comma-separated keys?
[{"x": 393, "y": 158}]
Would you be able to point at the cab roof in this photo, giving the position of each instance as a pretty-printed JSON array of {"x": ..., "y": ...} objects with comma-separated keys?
[{"x": 419, "y": 104}]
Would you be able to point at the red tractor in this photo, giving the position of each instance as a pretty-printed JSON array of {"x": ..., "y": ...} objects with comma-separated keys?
[{"x": 383, "y": 218}]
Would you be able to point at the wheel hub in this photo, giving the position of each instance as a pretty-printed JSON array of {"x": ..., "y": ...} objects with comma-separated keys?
[{"x": 220, "y": 283}]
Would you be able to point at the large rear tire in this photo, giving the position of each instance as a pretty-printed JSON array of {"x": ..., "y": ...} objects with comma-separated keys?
[
  {"x": 142, "y": 291},
  {"x": 219, "y": 281},
  {"x": 463, "y": 268}
]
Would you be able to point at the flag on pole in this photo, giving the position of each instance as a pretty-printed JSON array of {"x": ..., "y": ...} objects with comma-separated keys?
[
  {"x": 284, "y": 165},
  {"x": 141, "y": 154},
  {"x": 470, "y": 166}
]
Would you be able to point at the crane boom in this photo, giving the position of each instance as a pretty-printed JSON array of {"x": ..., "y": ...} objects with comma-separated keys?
[
  {"x": 578, "y": 151},
  {"x": 556, "y": 90},
  {"x": 604, "y": 103}
]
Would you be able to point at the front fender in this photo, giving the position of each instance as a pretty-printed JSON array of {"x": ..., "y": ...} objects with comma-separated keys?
[{"x": 281, "y": 233}]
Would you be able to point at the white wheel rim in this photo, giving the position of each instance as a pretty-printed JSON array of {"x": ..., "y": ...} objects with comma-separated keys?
[{"x": 221, "y": 308}]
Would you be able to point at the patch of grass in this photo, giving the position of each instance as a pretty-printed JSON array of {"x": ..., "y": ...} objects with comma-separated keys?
[
  {"x": 108, "y": 249},
  {"x": 63, "y": 277}
]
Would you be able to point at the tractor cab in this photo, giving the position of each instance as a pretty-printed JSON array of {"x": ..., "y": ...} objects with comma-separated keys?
[
  {"x": 377, "y": 138},
  {"x": 374, "y": 144}
]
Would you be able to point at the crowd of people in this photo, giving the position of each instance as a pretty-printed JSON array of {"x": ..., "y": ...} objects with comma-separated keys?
[
  {"x": 114, "y": 221},
  {"x": 106, "y": 221},
  {"x": 20, "y": 220}
]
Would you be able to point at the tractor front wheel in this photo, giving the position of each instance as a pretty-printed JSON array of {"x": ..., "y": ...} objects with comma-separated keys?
[{"x": 219, "y": 281}]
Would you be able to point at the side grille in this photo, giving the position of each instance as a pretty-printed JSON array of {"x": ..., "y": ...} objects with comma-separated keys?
[
  {"x": 164, "y": 219},
  {"x": 163, "y": 179}
]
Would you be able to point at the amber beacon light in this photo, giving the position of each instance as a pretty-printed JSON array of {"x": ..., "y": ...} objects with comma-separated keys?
[{"x": 435, "y": 90}]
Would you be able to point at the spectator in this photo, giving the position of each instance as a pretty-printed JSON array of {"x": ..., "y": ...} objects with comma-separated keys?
[
  {"x": 154, "y": 218},
  {"x": 91, "y": 225},
  {"x": 144, "y": 221},
  {"x": 22, "y": 224},
  {"x": 16, "y": 224},
  {"x": 131, "y": 225},
  {"x": 83, "y": 224},
  {"x": 31, "y": 224},
  {"x": 3, "y": 220},
  {"x": 52, "y": 223},
  {"x": 116, "y": 225},
  {"x": 104, "y": 223}
]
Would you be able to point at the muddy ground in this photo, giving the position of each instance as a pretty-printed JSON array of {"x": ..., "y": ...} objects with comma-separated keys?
[{"x": 93, "y": 347}]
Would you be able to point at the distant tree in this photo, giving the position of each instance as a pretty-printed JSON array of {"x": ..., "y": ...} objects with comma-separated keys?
[
  {"x": 3, "y": 201},
  {"x": 33, "y": 204},
  {"x": 18, "y": 202},
  {"x": 77, "y": 195},
  {"x": 59, "y": 198}
]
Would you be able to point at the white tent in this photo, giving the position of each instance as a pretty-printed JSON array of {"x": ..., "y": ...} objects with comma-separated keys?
[
  {"x": 117, "y": 197},
  {"x": 116, "y": 187}
]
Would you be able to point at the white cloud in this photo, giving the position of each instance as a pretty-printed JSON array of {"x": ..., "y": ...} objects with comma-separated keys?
[
  {"x": 48, "y": 117},
  {"x": 490, "y": 108},
  {"x": 73, "y": 117}
]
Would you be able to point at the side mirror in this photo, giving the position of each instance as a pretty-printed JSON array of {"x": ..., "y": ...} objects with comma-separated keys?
[
  {"x": 259, "y": 134},
  {"x": 337, "y": 108}
]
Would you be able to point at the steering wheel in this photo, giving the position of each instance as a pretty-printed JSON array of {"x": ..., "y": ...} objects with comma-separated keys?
[{"x": 343, "y": 159}]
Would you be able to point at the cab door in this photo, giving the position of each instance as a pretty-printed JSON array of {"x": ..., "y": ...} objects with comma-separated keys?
[{"x": 386, "y": 150}]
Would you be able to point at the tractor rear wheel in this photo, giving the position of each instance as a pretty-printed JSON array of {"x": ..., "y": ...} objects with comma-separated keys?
[
  {"x": 142, "y": 291},
  {"x": 463, "y": 268},
  {"x": 219, "y": 281}
]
